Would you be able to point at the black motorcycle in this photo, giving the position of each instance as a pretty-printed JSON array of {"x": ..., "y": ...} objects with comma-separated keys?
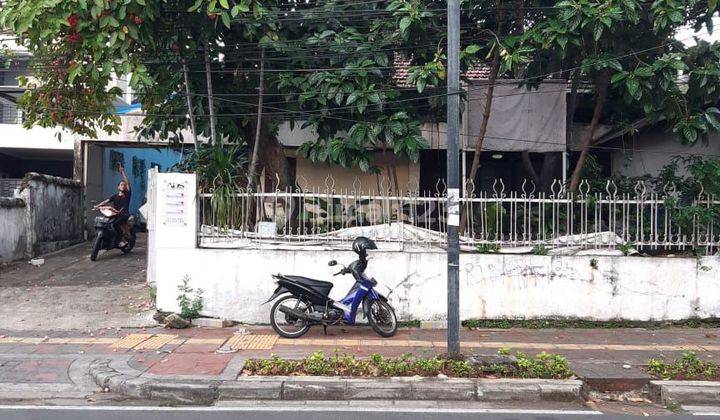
[
  {"x": 305, "y": 302},
  {"x": 108, "y": 237}
]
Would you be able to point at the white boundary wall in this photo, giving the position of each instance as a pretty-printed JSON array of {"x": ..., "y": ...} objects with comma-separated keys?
[{"x": 237, "y": 281}]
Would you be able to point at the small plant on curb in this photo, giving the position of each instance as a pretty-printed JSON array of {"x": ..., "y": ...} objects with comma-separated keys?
[
  {"x": 626, "y": 247},
  {"x": 544, "y": 365},
  {"x": 687, "y": 367},
  {"x": 539, "y": 250},
  {"x": 488, "y": 248},
  {"x": 153, "y": 294},
  {"x": 594, "y": 263},
  {"x": 189, "y": 300}
]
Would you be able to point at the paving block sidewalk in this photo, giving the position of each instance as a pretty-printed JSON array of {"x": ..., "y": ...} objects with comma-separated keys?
[{"x": 218, "y": 354}]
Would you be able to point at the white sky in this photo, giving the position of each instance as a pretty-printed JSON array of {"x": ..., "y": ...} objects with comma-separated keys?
[{"x": 686, "y": 35}]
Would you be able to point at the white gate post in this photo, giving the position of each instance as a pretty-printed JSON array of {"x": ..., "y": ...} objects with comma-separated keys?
[{"x": 172, "y": 228}]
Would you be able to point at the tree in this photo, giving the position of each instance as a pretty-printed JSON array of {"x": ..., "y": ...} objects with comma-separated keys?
[{"x": 626, "y": 50}]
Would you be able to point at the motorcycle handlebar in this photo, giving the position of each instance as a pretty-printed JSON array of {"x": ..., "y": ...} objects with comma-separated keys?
[{"x": 344, "y": 271}]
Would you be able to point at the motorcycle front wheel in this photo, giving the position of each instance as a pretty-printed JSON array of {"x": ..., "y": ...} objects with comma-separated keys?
[
  {"x": 381, "y": 317},
  {"x": 286, "y": 325},
  {"x": 97, "y": 245}
]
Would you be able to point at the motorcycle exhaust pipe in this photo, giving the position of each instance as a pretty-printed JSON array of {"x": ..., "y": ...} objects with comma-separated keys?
[{"x": 315, "y": 317}]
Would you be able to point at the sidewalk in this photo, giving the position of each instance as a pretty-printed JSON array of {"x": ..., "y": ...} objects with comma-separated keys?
[{"x": 58, "y": 362}]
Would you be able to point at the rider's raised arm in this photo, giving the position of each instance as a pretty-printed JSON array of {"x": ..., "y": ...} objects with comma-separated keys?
[{"x": 124, "y": 176}]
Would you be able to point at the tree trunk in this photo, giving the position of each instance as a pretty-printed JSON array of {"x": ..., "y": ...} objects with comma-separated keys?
[
  {"x": 570, "y": 115},
  {"x": 529, "y": 168},
  {"x": 586, "y": 141},
  {"x": 208, "y": 81},
  {"x": 494, "y": 69},
  {"x": 191, "y": 115},
  {"x": 252, "y": 170},
  {"x": 252, "y": 175},
  {"x": 548, "y": 171}
]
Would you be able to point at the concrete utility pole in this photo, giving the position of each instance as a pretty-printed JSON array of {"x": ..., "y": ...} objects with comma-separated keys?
[{"x": 453, "y": 177}]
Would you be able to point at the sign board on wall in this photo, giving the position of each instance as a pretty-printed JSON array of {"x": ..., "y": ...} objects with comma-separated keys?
[{"x": 175, "y": 203}]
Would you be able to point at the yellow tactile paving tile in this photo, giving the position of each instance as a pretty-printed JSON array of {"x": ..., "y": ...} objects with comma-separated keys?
[
  {"x": 130, "y": 341},
  {"x": 217, "y": 341},
  {"x": 155, "y": 342},
  {"x": 252, "y": 342},
  {"x": 32, "y": 340}
]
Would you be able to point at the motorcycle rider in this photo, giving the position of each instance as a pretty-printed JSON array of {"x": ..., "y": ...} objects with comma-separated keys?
[{"x": 120, "y": 203}]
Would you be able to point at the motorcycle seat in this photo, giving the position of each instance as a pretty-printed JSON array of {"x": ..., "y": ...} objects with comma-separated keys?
[{"x": 310, "y": 282}]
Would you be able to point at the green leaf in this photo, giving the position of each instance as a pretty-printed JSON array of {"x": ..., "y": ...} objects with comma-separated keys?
[
  {"x": 597, "y": 33},
  {"x": 421, "y": 85},
  {"x": 633, "y": 87},
  {"x": 352, "y": 98},
  {"x": 225, "y": 4},
  {"x": 244, "y": 6},
  {"x": 405, "y": 24},
  {"x": 472, "y": 49},
  {"x": 195, "y": 6},
  {"x": 713, "y": 121},
  {"x": 73, "y": 73},
  {"x": 690, "y": 134},
  {"x": 361, "y": 105},
  {"x": 618, "y": 77},
  {"x": 643, "y": 71},
  {"x": 675, "y": 16},
  {"x": 225, "y": 19}
]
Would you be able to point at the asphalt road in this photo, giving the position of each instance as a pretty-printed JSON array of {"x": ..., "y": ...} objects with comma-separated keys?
[{"x": 295, "y": 413}]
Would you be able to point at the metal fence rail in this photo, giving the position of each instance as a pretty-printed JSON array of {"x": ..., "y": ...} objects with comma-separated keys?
[{"x": 490, "y": 219}]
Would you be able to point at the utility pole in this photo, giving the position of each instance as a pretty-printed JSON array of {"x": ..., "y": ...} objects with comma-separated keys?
[{"x": 453, "y": 177}]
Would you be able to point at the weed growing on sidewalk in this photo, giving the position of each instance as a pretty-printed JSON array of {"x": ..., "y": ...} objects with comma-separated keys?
[
  {"x": 190, "y": 307},
  {"x": 687, "y": 367},
  {"x": 544, "y": 365}
]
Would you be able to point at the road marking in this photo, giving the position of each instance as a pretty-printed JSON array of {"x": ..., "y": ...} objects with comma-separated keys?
[
  {"x": 130, "y": 341},
  {"x": 155, "y": 342},
  {"x": 286, "y": 408},
  {"x": 252, "y": 342}
]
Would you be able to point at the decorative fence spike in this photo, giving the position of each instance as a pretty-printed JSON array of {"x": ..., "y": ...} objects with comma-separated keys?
[{"x": 590, "y": 219}]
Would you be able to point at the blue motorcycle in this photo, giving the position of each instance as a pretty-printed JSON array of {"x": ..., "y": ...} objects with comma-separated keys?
[{"x": 305, "y": 302}]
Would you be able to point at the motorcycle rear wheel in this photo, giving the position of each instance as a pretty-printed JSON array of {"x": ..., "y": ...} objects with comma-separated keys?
[
  {"x": 382, "y": 319},
  {"x": 284, "y": 324},
  {"x": 130, "y": 243}
]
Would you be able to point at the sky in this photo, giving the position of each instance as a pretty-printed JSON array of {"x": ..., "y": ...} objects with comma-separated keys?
[{"x": 686, "y": 35}]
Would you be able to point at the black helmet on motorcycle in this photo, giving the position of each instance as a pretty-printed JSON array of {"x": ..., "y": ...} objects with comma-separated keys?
[{"x": 361, "y": 244}]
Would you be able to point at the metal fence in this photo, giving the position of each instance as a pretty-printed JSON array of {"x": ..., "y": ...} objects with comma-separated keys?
[{"x": 490, "y": 219}]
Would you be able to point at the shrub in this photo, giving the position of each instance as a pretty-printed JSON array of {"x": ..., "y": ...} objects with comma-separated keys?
[
  {"x": 689, "y": 366},
  {"x": 543, "y": 365}
]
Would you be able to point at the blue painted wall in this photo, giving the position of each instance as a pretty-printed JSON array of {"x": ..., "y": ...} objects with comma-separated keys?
[{"x": 136, "y": 160}]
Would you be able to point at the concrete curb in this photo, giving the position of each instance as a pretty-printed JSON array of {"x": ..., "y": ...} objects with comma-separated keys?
[
  {"x": 205, "y": 392},
  {"x": 686, "y": 392}
]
